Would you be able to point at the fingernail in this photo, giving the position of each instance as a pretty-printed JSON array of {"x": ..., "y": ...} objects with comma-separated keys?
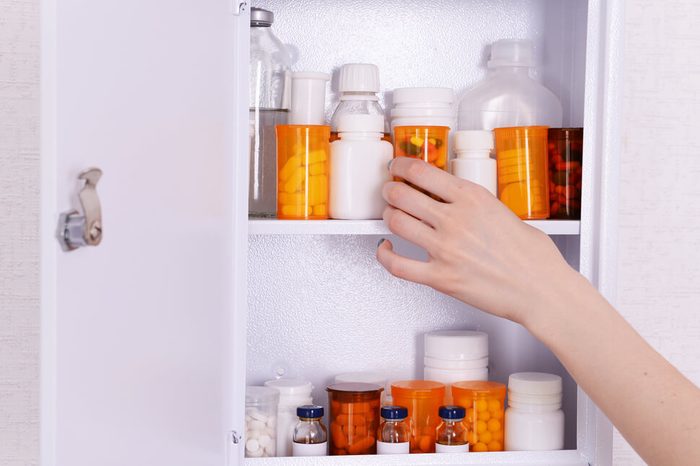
[
  {"x": 380, "y": 242},
  {"x": 388, "y": 165}
]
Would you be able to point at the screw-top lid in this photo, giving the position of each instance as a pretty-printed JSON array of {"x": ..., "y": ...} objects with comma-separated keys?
[
  {"x": 358, "y": 77},
  {"x": 256, "y": 395},
  {"x": 361, "y": 123},
  {"x": 310, "y": 411},
  {"x": 261, "y": 18},
  {"x": 291, "y": 387},
  {"x": 456, "y": 344},
  {"x": 454, "y": 413},
  {"x": 473, "y": 140},
  {"x": 395, "y": 413},
  {"x": 418, "y": 389},
  {"x": 534, "y": 388},
  {"x": 354, "y": 387},
  {"x": 420, "y": 95},
  {"x": 512, "y": 52}
]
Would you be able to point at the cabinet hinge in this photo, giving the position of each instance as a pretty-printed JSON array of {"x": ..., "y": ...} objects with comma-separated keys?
[{"x": 237, "y": 7}]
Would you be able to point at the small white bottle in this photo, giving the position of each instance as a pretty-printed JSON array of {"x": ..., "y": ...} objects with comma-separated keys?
[
  {"x": 358, "y": 84},
  {"x": 473, "y": 160},
  {"x": 534, "y": 420},
  {"x": 358, "y": 168}
]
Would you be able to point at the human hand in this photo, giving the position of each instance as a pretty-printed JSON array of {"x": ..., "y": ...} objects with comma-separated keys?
[{"x": 479, "y": 251}]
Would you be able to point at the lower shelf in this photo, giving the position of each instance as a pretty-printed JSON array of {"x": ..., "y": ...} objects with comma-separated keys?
[
  {"x": 375, "y": 227},
  {"x": 511, "y": 458}
]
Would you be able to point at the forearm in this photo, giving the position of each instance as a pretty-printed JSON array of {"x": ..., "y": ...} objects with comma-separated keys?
[{"x": 651, "y": 403}]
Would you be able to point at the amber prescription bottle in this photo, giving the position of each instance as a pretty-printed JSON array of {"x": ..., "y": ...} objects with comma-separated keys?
[
  {"x": 565, "y": 148},
  {"x": 422, "y": 398},
  {"x": 451, "y": 434},
  {"x": 302, "y": 171},
  {"x": 485, "y": 412},
  {"x": 394, "y": 432},
  {"x": 428, "y": 143},
  {"x": 354, "y": 418},
  {"x": 521, "y": 161}
]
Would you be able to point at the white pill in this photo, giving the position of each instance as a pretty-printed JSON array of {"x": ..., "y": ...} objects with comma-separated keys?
[
  {"x": 265, "y": 441},
  {"x": 256, "y": 425},
  {"x": 252, "y": 445},
  {"x": 252, "y": 434},
  {"x": 248, "y": 418},
  {"x": 258, "y": 415},
  {"x": 270, "y": 431},
  {"x": 270, "y": 451},
  {"x": 255, "y": 454},
  {"x": 271, "y": 421}
]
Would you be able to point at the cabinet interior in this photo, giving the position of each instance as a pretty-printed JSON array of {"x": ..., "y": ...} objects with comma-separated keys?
[{"x": 320, "y": 305}]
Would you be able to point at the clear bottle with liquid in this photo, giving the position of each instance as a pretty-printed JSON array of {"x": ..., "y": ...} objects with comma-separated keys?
[
  {"x": 310, "y": 435},
  {"x": 394, "y": 433},
  {"x": 451, "y": 433},
  {"x": 269, "y": 104},
  {"x": 358, "y": 84}
]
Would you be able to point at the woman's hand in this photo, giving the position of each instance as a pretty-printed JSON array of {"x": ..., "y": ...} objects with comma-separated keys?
[{"x": 480, "y": 252}]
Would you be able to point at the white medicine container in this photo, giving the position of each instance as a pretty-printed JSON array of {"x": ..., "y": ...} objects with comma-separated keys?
[{"x": 150, "y": 338}]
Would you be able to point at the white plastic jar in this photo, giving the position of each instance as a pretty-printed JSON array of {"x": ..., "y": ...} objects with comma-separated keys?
[
  {"x": 423, "y": 106},
  {"x": 534, "y": 420},
  {"x": 292, "y": 394},
  {"x": 455, "y": 356}
]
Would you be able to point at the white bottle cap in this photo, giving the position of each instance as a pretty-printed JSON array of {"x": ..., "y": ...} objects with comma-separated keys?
[
  {"x": 423, "y": 95},
  {"x": 511, "y": 52},
  {"x": 358, "y": 77},
  {"x": 473, "y": 140},
  {"x": 534, "y": 388},
  {"x": 291, "y": 387},
  {"x": 308, "y": 98},
  {"x": 361, "y": 124},
  {"x": 456, "y": 345}
]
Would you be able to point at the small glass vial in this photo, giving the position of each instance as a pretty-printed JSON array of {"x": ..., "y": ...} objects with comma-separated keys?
[
  {"x": 393, "y": 434},
  {"x": 451, "y": 433},
  {"x": 310, "y": 435},
  {"x": 534, "y": 419}
]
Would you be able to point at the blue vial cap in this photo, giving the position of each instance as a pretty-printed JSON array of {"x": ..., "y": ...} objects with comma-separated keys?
[
  {"x": 451, "y": 412},
  {"x": 310, "y": 411},
  {"x": 394, "y": 412}
]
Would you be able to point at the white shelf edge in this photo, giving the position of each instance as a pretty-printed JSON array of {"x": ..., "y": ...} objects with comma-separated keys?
[
  {"x": 374, "y": 227},
  {"x": 509, "y": 458}
]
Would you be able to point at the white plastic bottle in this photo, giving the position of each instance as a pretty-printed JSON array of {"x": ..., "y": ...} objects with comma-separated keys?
[
  {"x": 359, "y": 168},
  {"x": 293, "y": 393},
  {"x": 508, "y": 96},
  {"x": 358, "y": 84},
  {"x": 534, "y": 420},
  {"x": 473, "y": 160}
]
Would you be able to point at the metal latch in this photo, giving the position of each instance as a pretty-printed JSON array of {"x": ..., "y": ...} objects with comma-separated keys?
[
  {"x": 76, "y": 230},
  {"x": 237, "y": 7}
]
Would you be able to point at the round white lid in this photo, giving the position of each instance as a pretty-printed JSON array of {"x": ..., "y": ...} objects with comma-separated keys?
[
  {"x": 358, "y": 77},
  {"x": 423, "y": 94},
  {"x": 512, "y": 52},
  {"x": 534, "y": 383},
  {"x": 456, "y": 344},
  {"x": 290, "y": 387},
  {"x": 311, "y": 75},
  {"x": 473, "y": 140},
  {"x": 359, "y": 123}
]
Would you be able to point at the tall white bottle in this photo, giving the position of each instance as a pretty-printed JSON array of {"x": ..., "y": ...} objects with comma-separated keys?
[
  {"x": 358, "y": 170},
  {"x": 508, "y": 96}
]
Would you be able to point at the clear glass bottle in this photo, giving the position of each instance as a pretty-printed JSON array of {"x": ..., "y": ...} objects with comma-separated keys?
[
  {"x": 358, "y": 84},
  {"x": 310, "y": 435},
  {"x": 394, "y": 433},
  {"x": 451, "y": 433},
  {"x": 269, "y": 103}
]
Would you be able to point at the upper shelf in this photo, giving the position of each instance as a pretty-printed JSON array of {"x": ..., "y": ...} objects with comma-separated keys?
[{"x": 374, "y": 227}]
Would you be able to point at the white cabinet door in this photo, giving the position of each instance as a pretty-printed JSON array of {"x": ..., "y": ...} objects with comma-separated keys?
[{"x": 139, "y": 333}]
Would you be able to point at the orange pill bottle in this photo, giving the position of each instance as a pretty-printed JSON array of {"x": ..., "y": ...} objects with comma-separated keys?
[
  {"x": 428, "y": 143},
  {"x": 423, "y": 399},
  {"x": 522, "y": 167},
  {"x": 485, "y": 403},
  {"x": 303, "y": 153},
  {"x": 354, "y": 418}
]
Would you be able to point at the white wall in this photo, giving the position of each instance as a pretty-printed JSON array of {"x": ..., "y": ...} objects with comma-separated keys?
[
  {"x": 659, "y": 249},
  {"x": 19, "y": 247},
  {"x": 659, "y": 258}
]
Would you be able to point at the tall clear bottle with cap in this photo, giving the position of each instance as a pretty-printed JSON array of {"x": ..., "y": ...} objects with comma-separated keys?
[
  {"x": 508, "y": 96},
  {"x": 358, "y": 84},
  {"x": 269, "y": 103}
]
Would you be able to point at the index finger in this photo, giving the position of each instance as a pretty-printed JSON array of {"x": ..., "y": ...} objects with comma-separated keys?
[{"x": 427, "y": 177}]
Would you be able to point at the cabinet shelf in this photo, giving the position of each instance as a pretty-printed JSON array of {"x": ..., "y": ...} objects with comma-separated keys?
[
  {"x": 374, "y": 227},
  {"x": 510, "y": 458}
]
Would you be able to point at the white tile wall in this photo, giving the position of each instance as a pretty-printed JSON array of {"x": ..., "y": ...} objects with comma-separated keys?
[
  {"x": 659, "y": 257},
  {"x": 19, "y": 246}
]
